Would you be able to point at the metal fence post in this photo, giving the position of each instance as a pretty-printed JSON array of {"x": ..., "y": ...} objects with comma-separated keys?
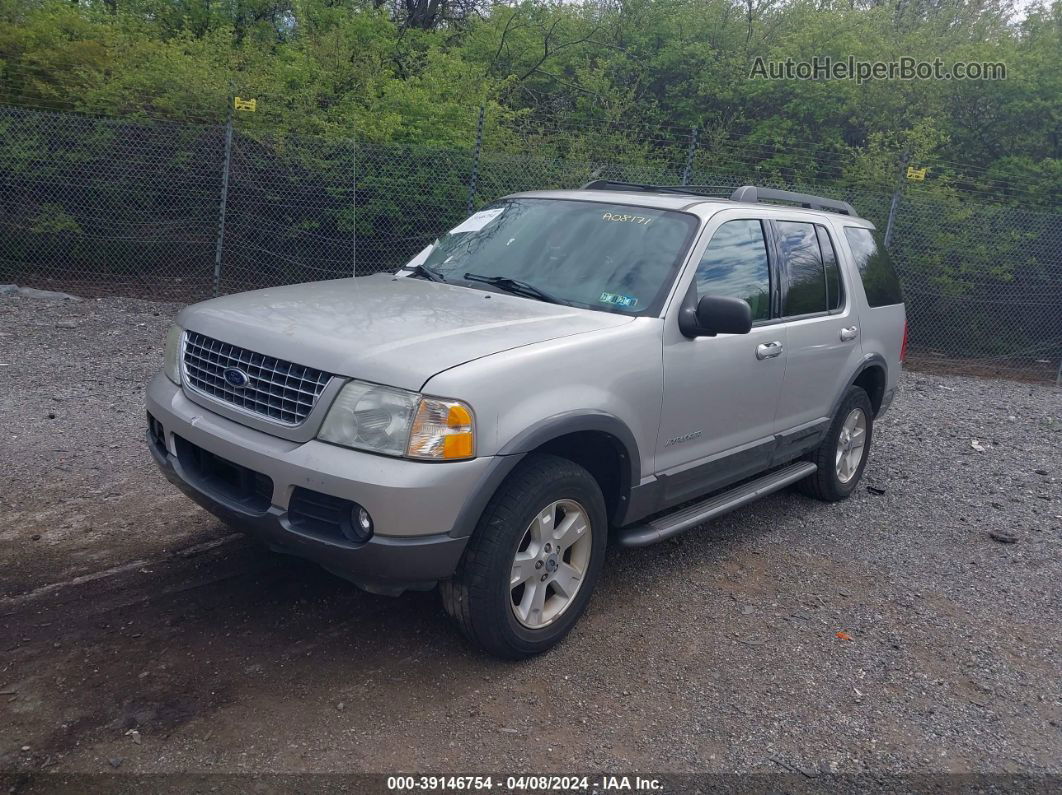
[
  {"x": 354, "y": 222},
  {"x": 896, "y": 199},
  {"x": 224, "y": 199},
  {"x": 474, "y": 177},
  {"x": 690, "y": 151}
]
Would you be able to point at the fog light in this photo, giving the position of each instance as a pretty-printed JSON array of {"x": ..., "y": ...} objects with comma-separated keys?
[{"x": 361, "y": 522}]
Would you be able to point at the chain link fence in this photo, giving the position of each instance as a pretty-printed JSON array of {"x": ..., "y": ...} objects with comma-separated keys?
[{"x": 174, "y": 211}]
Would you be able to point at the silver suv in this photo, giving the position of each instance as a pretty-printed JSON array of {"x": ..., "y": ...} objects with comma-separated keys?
[{"x": 564, "y": 367}]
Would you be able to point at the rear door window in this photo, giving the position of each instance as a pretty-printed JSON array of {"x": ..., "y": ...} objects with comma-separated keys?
[
  {"x": 875, "y": 267},
  {"x": 805, "y": 275}
]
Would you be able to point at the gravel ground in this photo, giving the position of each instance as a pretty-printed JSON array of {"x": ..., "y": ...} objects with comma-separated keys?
[{"x": 127, "y": 609}]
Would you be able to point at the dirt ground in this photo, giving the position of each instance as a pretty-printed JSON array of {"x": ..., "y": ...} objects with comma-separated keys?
[{"x": 138, "y": 634}]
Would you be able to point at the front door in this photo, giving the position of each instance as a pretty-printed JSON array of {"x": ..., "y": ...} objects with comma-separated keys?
[{"x": 721, "y": 393}]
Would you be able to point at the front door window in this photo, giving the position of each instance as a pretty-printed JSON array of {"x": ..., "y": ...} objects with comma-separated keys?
[{"x": 735, "y": 266}]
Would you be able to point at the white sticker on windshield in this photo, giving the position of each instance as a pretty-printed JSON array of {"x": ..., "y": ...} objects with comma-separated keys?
[
  {"x": 477, "y": 221},
  {"x": 422, "y": 257}
]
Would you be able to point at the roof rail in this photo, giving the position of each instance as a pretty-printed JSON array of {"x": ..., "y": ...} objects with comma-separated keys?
[
  {"x": 692, "y": 190},
  {"x": 752, "y": 194},
  {"x": 746, "y": 193}
]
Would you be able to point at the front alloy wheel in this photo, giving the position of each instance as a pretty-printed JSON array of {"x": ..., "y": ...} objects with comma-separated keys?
[
  {"x": 550, "y": 564},
  {"x": 529, "y": 569}
]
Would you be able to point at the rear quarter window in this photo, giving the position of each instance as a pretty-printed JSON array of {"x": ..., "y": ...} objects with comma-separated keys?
[{"x": 875, "y": 267}]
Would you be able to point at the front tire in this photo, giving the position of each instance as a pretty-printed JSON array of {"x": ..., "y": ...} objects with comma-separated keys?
[
  {"x": 533, "y": 560},
  {"x": 842, "y": 455}
]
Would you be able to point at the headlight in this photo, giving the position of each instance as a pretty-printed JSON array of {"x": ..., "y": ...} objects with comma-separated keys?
[
  {"x": 442, "y": 429},
  {"x": 393, "y": 421},
  {"x": 171, "y": 361},
  {"x": 370, "y": 417}
]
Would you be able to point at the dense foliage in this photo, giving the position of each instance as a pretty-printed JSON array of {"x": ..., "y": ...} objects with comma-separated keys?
[
  {"x": 359, "y": 151},
  {"x": 557, "y": 74}
]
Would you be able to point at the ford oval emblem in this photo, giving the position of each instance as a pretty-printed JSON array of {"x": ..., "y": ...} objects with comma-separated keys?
[{"x": 236, "y": 377}]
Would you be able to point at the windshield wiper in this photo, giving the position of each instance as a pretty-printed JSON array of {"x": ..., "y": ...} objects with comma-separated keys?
[
  {"x": 427, "y": 273},
  {"x": 515, "y": 286}
]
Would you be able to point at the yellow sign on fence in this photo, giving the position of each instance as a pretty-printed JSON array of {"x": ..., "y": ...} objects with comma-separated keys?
[
  {"x": 245, "y": 104},
  {"x": 917, "y": 174}
]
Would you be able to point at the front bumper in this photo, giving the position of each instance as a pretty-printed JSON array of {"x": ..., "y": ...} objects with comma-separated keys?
[{"x": 422, "y": 512}]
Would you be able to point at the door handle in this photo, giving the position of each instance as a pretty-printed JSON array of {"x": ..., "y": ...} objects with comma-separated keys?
[
  {"x": 768, "y": 350},
  {"x": 850, "y": 333}
]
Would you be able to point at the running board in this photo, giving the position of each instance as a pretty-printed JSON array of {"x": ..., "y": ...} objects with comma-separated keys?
[{"x": 671, "y": 524}]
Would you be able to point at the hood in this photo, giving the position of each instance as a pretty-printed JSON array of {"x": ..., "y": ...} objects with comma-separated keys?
[{"x": 394, "y": 331}]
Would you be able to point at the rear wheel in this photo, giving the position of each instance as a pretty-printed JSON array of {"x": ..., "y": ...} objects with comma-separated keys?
[
  {"x": 842, "y": 455},
  {"x": 530, "y": 566}
]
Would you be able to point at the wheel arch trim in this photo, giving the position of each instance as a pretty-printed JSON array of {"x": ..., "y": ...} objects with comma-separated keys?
[
  {"x": 581, "y": 421},
  {"x": 543, "y": 432},
  {"x": 547, "y": 430},
  {"x": 875, "y": 360}
]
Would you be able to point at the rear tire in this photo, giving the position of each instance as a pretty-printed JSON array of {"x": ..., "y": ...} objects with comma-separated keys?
[
  {"x": 513, "y": 557},
  {"x": 842, "y": 455}
]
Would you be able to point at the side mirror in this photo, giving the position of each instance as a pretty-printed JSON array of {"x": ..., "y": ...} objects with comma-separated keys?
[{"x": 715, "y": 314}]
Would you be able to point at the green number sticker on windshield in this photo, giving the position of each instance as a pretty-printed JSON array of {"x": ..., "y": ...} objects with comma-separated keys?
[{"x": 615, "y": 299}]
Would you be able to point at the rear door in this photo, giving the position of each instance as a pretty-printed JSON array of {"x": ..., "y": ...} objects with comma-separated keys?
[{"x": 822, "y": 328}]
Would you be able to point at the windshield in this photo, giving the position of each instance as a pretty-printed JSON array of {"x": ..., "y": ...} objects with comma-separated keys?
[{"x": 610, "y": 257}]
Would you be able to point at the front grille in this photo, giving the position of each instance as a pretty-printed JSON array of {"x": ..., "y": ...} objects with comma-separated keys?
[
  {"x": 250, "y": 489},
  {"x": 279, "y": 390}
]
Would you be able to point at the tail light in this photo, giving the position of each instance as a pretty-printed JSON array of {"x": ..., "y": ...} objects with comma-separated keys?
[{"x": 903, "y": 345}]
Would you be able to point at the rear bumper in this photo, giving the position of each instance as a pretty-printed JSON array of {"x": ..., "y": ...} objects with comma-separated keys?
[{"x": 422, "y": 512}]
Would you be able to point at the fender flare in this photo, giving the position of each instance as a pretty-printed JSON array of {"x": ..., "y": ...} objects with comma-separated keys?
[
  {"x": 870, "y": 360},
  {"x": 573, "y": 422},
  {"x": 528, "y": 440}
]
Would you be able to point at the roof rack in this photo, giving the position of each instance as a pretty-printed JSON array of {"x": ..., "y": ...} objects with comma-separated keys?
[
  {"x": 750, "y": 193},
  {"x": 746, "y": 193},
  {"x": 720, "y": 191}
]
